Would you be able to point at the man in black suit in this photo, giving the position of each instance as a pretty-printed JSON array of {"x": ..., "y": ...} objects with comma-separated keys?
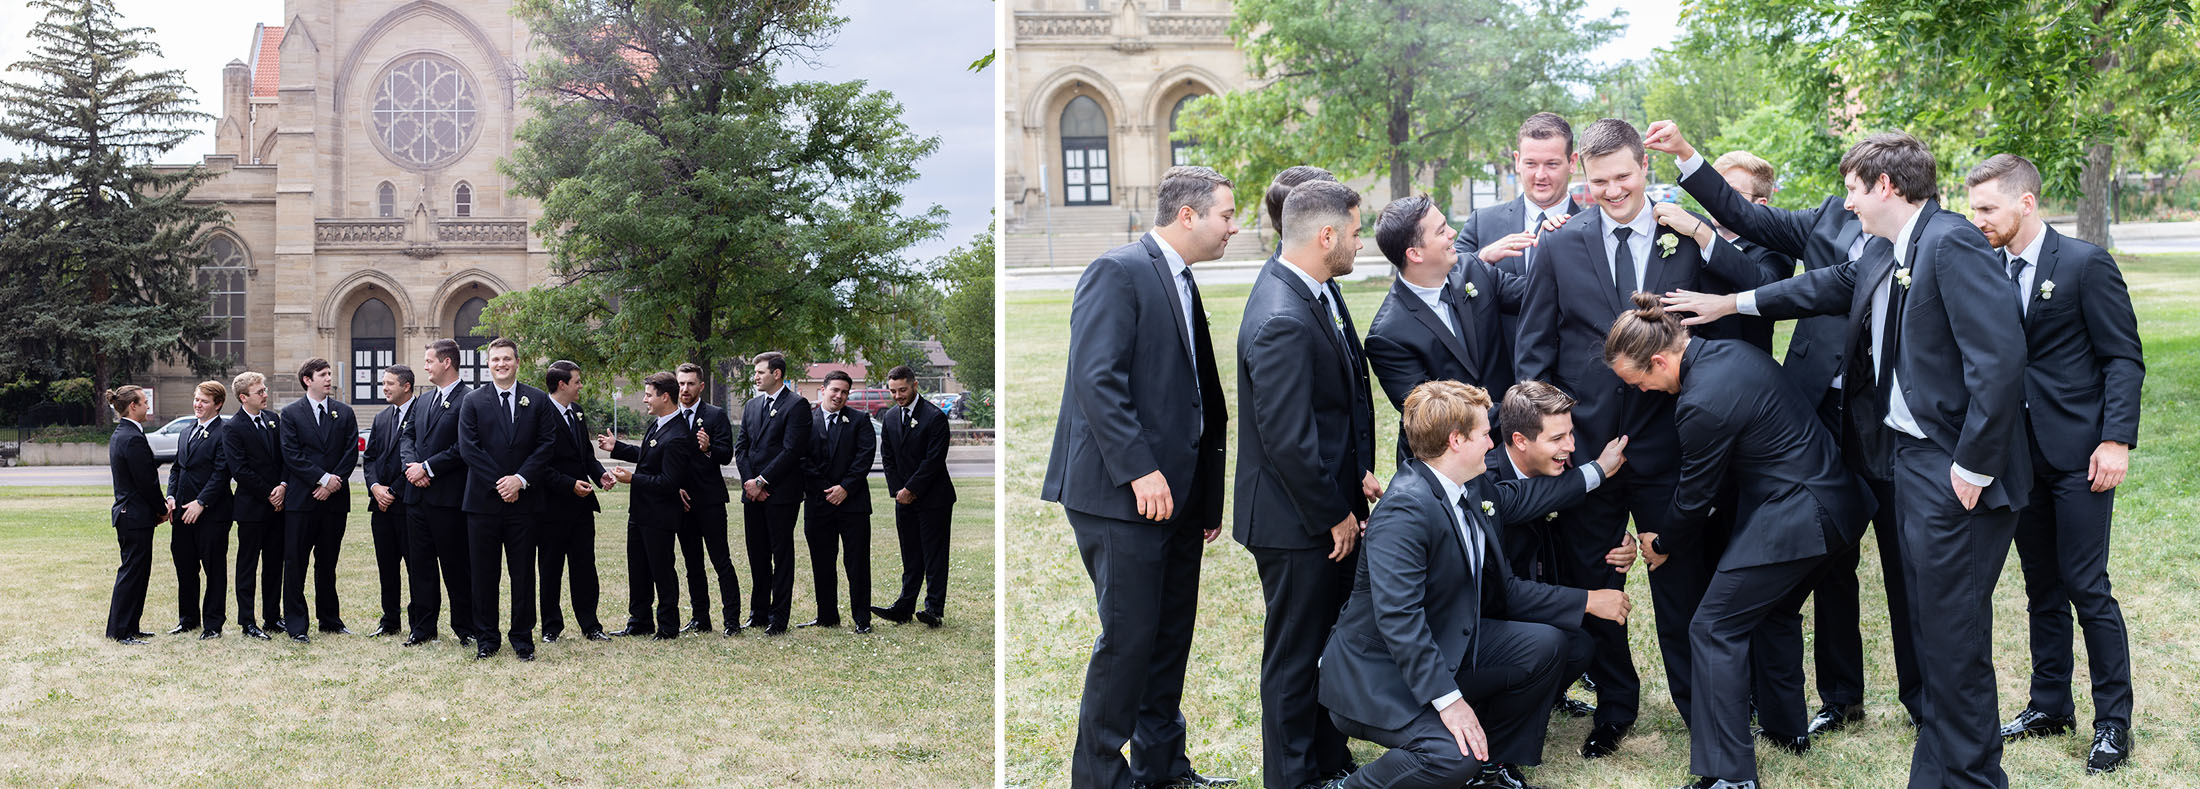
[
  {"x": 915, "y": 445},
  {"x": 1504, "y": 235},
  {"x": 435, "y": 474},
  {"x": 138, "y": 508},
  {"x": 1742, "y": 428},
  {"x": 2081, "y": 388},
  {"x": 320, "y": 437},
  {"x": 1442, "y": 654},
  {"x": 253, "y": 454},
  {"x": 1137, "y": 464},
  {"x": 775, "y": 436},
  {"x": 1939, "y": 337},
  {"x": 653, "y": 515},
  {"x": 570, "y": 505},
  {"x": 505, "y": 432},
  {"x": 199, "y": 501},
  {"x": 385, "y": 495},
  {"x": 1584, "y": 275},
  {"x": 704, "y": 527},
  {"x": 837, "y": 510},
  {"x": 1305, "y": 474},
  {"x": 1440, "y": 320},
  {"x": 1822, "y": 237}
]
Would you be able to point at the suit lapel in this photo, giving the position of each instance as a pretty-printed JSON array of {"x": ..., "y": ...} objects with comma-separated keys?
[
  {"x": 2043, "y": 271},
  {"x": 1324, "y": 323},
  {"x": 1169, "y": 288},
  {"x": 1430, "y": 320},
  {"x": 1847, "y": 238},
  {"x": 1653, "y": 264},
  {"x": 1595, "y": 255}
]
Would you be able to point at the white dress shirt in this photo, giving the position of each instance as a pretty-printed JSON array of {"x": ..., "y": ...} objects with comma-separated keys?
[
  {"x": 511, "y": 412},
  {"x": 1451, "y": 491},
  {"x": 318, "y": 406},
  {"x": 1645, "y": 227},
  {"x": 443, "y": 395},
  {"x": 1434, "y": 298},
  {"x": 1177, "y": 268},
  {"x": 1320, "y": 291},
  {"x": 2031, "y": 255}
]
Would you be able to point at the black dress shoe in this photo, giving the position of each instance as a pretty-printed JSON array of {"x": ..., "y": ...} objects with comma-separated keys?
[
  {"x": 209, "y": 635},
  {"x": 1501, "y": 776},
  {"x": 417, "y": 639},
  {"x": 890, "y": 615},
  {"x": 524, "y": 657},
  {"x": 1189, "y": 779},
  {"x": 863, "y": 629},
  {"x": 733, "y": 630},
  {"x": 549, "y": 638},
  {"x": 183, "y": 627},
  {"x": 1717, "y": 783},
  {"x": 300, "y": 638},
  {"x": 1573, "y": 708},
  {"x": 663, "y": 636},
  {"x": 1794, "y": 745},
  {"x": 776, "y": 629},
  {"x": 466, "y": 640},
  {"x": 2034, "y": 723},
  {"x": 2111, "y": 746},
  {"x": 131, "y": 641},
  {"x": 820, "y": 622},
  {"x": 484, "y": 651},
  {"x": 756, "y": 621},
  {"x": 598, "y": 635},
  {"x": 1834, "y": 717},
  {"x": 255, "y": 632},
  {"x": 338, "y": 629},
  {"x": 382, "y": 630},
  {"x": 692, "y": 626},
  {"x": 142, "y": 634},
  {"x": 928, "y": 618},
  {"x": 631, "y": 630},
  {"x": 1588, "y": 684},
  {"x": 1603, "y": 740}
]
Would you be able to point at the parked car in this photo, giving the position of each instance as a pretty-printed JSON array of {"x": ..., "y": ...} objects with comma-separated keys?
[
  {"x": 871, "y": 401},
  {"x": 164, "y": 440},
  {"x": 950, "y": 403}
]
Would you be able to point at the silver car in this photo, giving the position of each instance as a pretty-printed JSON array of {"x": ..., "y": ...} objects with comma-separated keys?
[{"x": 164, "y": 440}]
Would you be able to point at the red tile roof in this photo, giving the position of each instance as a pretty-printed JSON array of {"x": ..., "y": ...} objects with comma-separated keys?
[{"x": 267, "y": 63}]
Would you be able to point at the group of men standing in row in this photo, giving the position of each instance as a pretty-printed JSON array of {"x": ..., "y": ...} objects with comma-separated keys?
[
  {"x": 1958, "y": 384},
  {"x": 467, "y": 485}
]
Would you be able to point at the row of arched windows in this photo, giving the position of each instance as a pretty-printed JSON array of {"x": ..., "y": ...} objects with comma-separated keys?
[{"x": 385, "y": 200}]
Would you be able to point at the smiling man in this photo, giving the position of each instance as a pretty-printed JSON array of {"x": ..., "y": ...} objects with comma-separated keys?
[
  {"x": 1504, "y": 235},
  {"x": 320, "y": 437},
  {"x": 506, "y": 432}
]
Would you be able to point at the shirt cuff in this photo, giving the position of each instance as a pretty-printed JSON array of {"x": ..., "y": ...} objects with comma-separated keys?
[
  {"x": 1688, "y": 166},
  {"x": 1970, "y": 476},
  {"x": 1593, "y": 474},
  {"x": 327, "y": 478},
  {"x": 1445, "y": 700},
  {"x": 427, "y": 469},
  {"x": 522, "y": 482},
  {"x": 1745, "y": 302}
]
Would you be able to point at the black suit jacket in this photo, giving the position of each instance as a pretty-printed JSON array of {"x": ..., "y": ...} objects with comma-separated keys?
[
  {"x": 312, "y": 448},
  {"x": 252, "y": 454},
  {"x": 382, "y": 465},
  {"x": 1962, "y": 354},
  {"x": 1819, "y": 237},
  {"x": 1753, "y": 329},
  {"x": 775, "y": 435},
  {"x": 201, "y": 472},
  {"x": 1743, "y": 423},
  {"x": 916, "y": 456},
  {"x": 2081, "y": 386},
  {"x": 496, "y": 446},
  {"x": 1491, "y": 223},
  {"x": 1416, "y": 604},
  {"x": 1307, "y": 433},
  {"x": 1539, "y": 498},
  {"x": 705, "y": 483},
  {"x": 138, "y": 503},
  {"x": 841, "y": 456},
  {"x": 430, "y": 436},
  {"x": 660, "y": 462},
  {"x": 572, "y": 458},
  {"x": 1408, "y": 345},
  {"x": 1140, "y": 395}
]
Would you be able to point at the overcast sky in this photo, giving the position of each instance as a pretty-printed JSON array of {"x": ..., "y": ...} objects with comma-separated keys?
[{"x": 918, "y": 51}]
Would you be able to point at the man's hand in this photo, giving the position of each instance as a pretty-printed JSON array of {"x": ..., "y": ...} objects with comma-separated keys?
[
  {"x": 835, "y": 495},
  {"x": 1154, "y": 501},
  {"x": 1609, "y": 604},
  {"x": 322, "y": 491},
  {"x": 191, "y": 511},
  {"x": 1702, "y": 307},
  {"x": 417, "y": 474},
  {"x": 170, "y": 502},
  {"x": 382, "y": 496},
  {"x": 1614, "y": 456},
  {"x": 1211, "y": 534},
  {"x": 1342, "y": 536},
  {"x": 607, "y": 481},
  {"x": 1622, "y": 557},
  {"x": 1673, "y": 216},
  {"x": 166, "y": 510},
  {"x": 685, "y": 502},
  {"x": 581, "y": 488},
  {"x": 702, "y": 440},
  {"x": 1371, "y": 487},
  {"x": 621, "y": 474},
  {"x": 1508, "y": 247},
  {"x": 752, "y": 491},
  {"x": 2109, "y": 462},
  {"x": 605, "y": 441},
  {"x": 508, "y": 488},
  {"x": 1465, "y": 729},
  {"x": 1650, "y": 555},
  {"x": 905, "y": 496},
  {"x": 1965, "y": 491},
  {"x": 1665, "y": 137},
  {"x": 1551, "y": 223}
]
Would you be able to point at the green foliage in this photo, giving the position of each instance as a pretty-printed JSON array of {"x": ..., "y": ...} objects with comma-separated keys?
[
  {"x": 697, "y": 207},
  {"x": 1806, "y": 157},
  {"x": 103, "y": 244},
  {"x": 966, "y": 326},
  {"x": 1417, "y": 91},
  {"x": 978, "y": 407},
  {"x": 73, "y": 391}
]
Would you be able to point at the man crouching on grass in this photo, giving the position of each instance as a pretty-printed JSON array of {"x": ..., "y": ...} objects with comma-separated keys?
[{"x": 1455, "y": 683}]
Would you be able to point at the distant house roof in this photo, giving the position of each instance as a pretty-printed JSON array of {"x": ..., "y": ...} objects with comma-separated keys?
[
  {"x": 819, "y": 370},
  {"x": 267, "y": 63},
  {"x": 935, "y": 354}
]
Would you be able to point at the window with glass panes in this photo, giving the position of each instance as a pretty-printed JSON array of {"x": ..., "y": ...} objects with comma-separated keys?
[
  {"x": 373, "y": 347},
  {"x": 224, "y": 277},
  {"x": 473, "y": 365}
]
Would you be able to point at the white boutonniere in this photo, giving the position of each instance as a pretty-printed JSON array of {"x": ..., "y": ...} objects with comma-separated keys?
[
  {"x": 1667, "y": 243},
  {"x": 1489, "y": 509},
  {"x": 774, "y": 412},
  {"x": 1471, "y": 292},
  {"x": 446, "y": 404},
  {"x": 1551, "y": 517},
  {"x": 1337, "y": 319},
  {"x": 523, "y": 401},
  {"x": 912, "y": 418},
  {"x": 1902, "y": 276},
  {"x": 653, "y": 442},
  {"x": 2047, "y": 290},
  {"x": 202, "y": 432}
]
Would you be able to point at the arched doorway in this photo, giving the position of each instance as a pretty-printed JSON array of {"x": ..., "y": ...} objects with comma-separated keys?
[
  {"x": 373, "y": 347},
  {"x": 473, "y": 365},
  {"x": 1084, "y": 153},
  {"x": 1180, "y": 150}
]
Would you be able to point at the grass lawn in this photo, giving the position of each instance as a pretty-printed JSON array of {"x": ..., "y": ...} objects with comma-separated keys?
[
  {"x": 2156, "y": 568},
  {"x": 904, "y": 706}
]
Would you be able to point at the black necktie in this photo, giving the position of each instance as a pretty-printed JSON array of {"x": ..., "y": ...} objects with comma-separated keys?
[
  {"x": 1191, "y": 299},
  {"x": 1450, "y": 299},
  {"x": 506, "y": 397},
  {"x": 1473, "y": 542},
  {"x": 2016, "y": 277},
  {"x": 1527, "y": 254},
  {"x": 322, "y": 417},
  {"x": 1334, "y": 321},
  {"x": 1623, "y": 266},
  {"x": 1890, "y": 343}
]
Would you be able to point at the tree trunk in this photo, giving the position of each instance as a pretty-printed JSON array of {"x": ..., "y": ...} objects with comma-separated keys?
[
  {"x": 1401, "y": 129},
  {"x": 2094, "y": 183}
]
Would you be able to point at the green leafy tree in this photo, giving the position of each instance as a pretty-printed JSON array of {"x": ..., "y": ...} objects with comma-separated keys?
[
  {"x": 98, "y": 249},
  {"x": 1414, "y": 91},
  {"x": 697, "y": 207},
  {"x": 966, "y": 326}
]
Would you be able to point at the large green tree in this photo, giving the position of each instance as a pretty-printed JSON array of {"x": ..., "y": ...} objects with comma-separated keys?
[
  {"x": 1414, "y": 91},
  {"x": 700, "y": 208},
  {"x": 99, "y": 256},
  {"x": 966, "y": 325}
]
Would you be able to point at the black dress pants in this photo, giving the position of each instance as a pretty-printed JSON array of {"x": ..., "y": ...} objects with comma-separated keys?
[
  {"x": 197, "y": 548},
  {"x": 260, "y": 560},
  {"x": 1736, "y": 605},
  {"x": 569, "y": 539},
  {"x": 509, "y": 536},
  {"x": 1952, "y": 557},
  {"x": 436, "y": 545},
  {"x": 828, "y": 531},
  {"x": 923, "y": 532},
  {"x": 703, "y": 532},
  {"x": 768, "y": 529},
  {"x": 318, "y": 535},
  {"x": 1304, "y": 591},
  {"x": 2062, "y": 546},
  {"x": 1145, "y": 577},
  {"x": 1581, "y": 538},
  {"x": 1838, "y": 638},
  {"x": 127, "y": 606},
  {"x": 660, "y": 576},
  {"x": 391, "y": 529},
  {"x": 1519, "y": 667}
]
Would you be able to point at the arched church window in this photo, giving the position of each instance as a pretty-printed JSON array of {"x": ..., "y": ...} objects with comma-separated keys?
[
  {"x": 373, "y": 347},
  {"x": 462, "y": 200},
  {"x": 1180, "y": 150},
  {"x": 224, "y": 275},
  {"x": 1084, "y": 153},
  {"x": 423, "y": 114},
  {"x": 385, "y": 200},
  {"x": 473, "y": 364}
]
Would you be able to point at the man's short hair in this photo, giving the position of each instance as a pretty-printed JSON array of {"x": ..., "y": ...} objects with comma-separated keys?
[
  {"x": 1314, "y": 205},
  {"x": 1526, "y": 405},
  {"x": 445, "y": 349},
  {"x": 1289, "y": 179},
  {"x": 772, "y": 360},
  {"x": 501, "y": 342},
  {"x": 2017, "y": 175},
  {"x": 901, "y": 372},
  {"x": 243, "y": 383},
  {"x": 311, "y": 368},
  {"x": 690, "y": 368},
  {"x": 214, "y": 392},
  {"x": 663, "y": 383},
  {"x": 1399, "y": 227},
  {"x": 1906, "y": 162},
  {"x": 1762, "y": 180},
  {"x": 1544, "y": 126},
  {"x": 1437, "y": 409},
  {"x": 558, "y": 373},
  {"x": 1186, "y": 185},
  {"x": 404, "y": 374},
  {"x": 1609, "y": 136},
  {"x": 838, "y": 375}
]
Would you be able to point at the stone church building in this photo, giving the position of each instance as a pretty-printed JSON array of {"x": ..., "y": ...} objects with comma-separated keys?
[{"x": 356, "y": 155}]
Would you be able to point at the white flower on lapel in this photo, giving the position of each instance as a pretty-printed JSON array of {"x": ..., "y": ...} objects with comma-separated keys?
[
  {"x": 653, "y": 442},
  {"x": 912, "y": 415},
  {"x": 1551, "y": 517},
  {"x": 1489, "y": 509},
  {"x": 1902, "y": 275},
  {"x": 774, "y": 412},
  {"x": 446, "y": 404},
  {"x": 579, "y": 415},
  {"x": 1471, "y": 292},
  {"x": 1667, "y": 243},
  {"x": 2047, "y": 290},
  {"x": 523, "y": 401},
  {"x": 1337, "y": 319},
  {"x": 202, "y": 432}
]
